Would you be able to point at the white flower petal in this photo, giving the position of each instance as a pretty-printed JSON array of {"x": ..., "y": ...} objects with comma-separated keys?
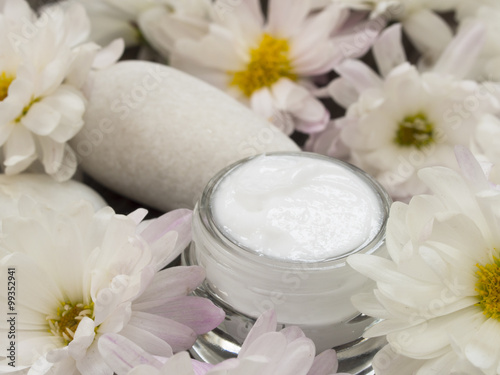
[
  {"x": 264, "y": 324},
  {"x": 359, "y": 75},
  {"x": 179, "y": 336},
  {"x": 19, "y": 150},
  {"x": 343, "y": 92},
  {"x": 5, "y": 132},
  {"x": 388, "y": 50},
  {"x": 147, "y": 341},
  {"x": 169, "y": 283},
  {"x": 428, "y": 31},
  {"x": 285, "y": 15},
  {"x": 482, "y": 350},
  {"x": 178, "y": 364},
  {"x": 109, "y": 54},
  {"x": 93, "y": 363},
  {"x": 462, "y": 52},
  {"x": 41, "y": 119},
  {"x": 84, "y": 336},
  {"x": 122, "y": 355}
]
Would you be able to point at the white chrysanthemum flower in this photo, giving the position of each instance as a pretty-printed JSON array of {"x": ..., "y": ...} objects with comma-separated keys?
[
  {"x": 406, "y": 120},
  {"x": 82, "y": 274},
  {"x": 426, "y": 28},
  {"x": 145, "y": 20},
  {"x": 268, "y": 65},
  {"x": 439, "y": 295},
  {"x": 264, "y": 352},
  {"x": 43, "y": 68}
]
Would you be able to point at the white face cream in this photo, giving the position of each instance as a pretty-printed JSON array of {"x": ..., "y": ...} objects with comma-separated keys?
[
  {"x": 296, "y": 208},
  {"x": 274, "y": 232}
]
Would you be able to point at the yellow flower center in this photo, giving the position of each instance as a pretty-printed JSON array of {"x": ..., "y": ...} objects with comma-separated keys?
[
  {"x": 415, "y": 131},
  {"x": 268, "y": 63},
  {"x": 488, "y": 288},
  {"x": 68, "y": 317},
  {"x": 5, "y": 81}
]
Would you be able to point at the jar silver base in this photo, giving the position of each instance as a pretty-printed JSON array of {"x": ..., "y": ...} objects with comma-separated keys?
[
  {"x": 354, "y": 358},
  {"x": 216, "y": 346}
]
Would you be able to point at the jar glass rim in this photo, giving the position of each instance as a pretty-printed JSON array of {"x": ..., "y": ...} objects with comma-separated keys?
[{"x": 210, "y": 224}]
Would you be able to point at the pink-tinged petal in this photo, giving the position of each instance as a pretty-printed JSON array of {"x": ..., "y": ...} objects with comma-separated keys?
[
  {"x": 461, "y": 54},
  {"x": 298, "y": 359},
  {"x": 271, "y": 347},
  {"x": 312, "y": 52},
  {"x": 147, "y": 341},
  {"x": 284, "y": 16},
  {"x": 169, "y": 283},
  {"x": 359, "y": 75},
  {"x": 267, "y": 322},
  {"x": 343, "y": 92},
  {"x": 223, "y": 367},
  {"x": 325, "y": 363},
  {"x": 292, "y": 333},
  {"x": 199, "y": 314},
  {"x": 168, "y": 236},
  {"x": 355, "y": 41},
  {"x": 471, "y": 168},
  {"x": 165, "y": 250},
  {"x": 109, "y": 54},
  {"x": 178, "y": 220},
  {"x": 201, "y": 368},
  {"x": 428, "y": 31},
  {"x": 388, "y": 50},
  {"x": 313, "y": 125},
  {"x": 122, "y": 355},
  {"x": 309, "y": 114},
  {"x": 41, "y": 119},
  {"x": 19, "y": 150},
  {"x": 321, "y": 142},
  {"x": 177, "y": 335}
]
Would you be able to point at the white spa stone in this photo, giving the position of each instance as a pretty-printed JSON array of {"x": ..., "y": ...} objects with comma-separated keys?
[
  {"x": 299, "y": 209},
  {"x": 44, "y": 190},
  {"x": 157, "y": 135}
]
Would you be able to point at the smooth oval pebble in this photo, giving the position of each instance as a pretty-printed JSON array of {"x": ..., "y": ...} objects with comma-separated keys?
[
  {"x": 157, "y": 135},
  {"x": 45, "y": 191}
]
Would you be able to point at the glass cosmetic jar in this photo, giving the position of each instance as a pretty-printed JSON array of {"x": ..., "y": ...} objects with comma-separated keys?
[{"x": 273, "y": 232}]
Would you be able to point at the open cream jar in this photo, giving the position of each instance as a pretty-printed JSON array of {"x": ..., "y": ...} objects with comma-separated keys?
[{"x": 273, "y": 232}]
